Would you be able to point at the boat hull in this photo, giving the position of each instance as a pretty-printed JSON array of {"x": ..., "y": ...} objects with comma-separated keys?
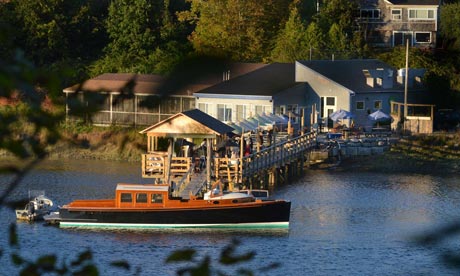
[{"x": 274, "y": 214}]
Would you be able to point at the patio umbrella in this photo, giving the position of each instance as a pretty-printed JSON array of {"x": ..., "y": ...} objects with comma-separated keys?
[
  {"x": 237, "y": 128},
  {"x": 248, "y": 126},
  {"x": 379, "y": 116},
  {"x": 263, "y": 120},
  {"x": 341, "y": 114}
]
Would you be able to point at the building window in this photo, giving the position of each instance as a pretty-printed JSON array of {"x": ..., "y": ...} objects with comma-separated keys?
[
  {"x": 148, "y": 104},
  {"x": 378, "y": 104},
  {"x": 171, "y": 105},
  {"x": 259, "y": 109},
  {"x": 203, "y": 107},
  {"x": 327, "y": 104},
  {"x": 123, "y": 103},
  {"x": 241, "y": 112},
  {"x": 422, "y": 37},
  {"x": 141, "y": 198},
  {"x": 421, "y": 14},
  {"x": 360, "y": 105},
  {"x": 396, "y": 14},
  {"x": 188, "y": 104},
  {"x": 224, "y": 112},
  {"x": 126, "y": 197},
  {"x": 399, "y": 38},
  {"x": 157, "y": 198},
  {"x": 370, "y": 13}
]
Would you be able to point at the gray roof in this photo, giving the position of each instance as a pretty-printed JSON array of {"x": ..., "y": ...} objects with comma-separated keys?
[
  {"x": 155, "y": 84},
  {"x": 348, "y": 73},
  {"x": 208, "y": 121},
  {"x": 266, "y": 81}
]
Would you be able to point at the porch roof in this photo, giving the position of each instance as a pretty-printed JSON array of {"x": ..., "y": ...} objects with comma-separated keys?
[{"x": 189, "y": 124}]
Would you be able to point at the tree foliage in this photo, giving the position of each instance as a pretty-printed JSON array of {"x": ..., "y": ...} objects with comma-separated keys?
[
  {"x": 140, "y": 33},
  {"x": 449, "y": 25},
  {"x": 291, "y": 43},
  {"x": 239, "y": 30},
  {"x": 53, "y": 31}
]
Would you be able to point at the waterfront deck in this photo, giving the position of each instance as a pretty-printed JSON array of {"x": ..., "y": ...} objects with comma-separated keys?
[{"x": 188, "y": 179}]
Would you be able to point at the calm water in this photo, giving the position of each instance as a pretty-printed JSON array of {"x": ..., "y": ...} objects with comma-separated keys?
[{"x": 341, "y": 224}]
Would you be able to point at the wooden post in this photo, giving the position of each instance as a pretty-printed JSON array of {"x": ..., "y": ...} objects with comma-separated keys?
[
  {"x": 168, "y": 163},
  {"x": 302, "y": 121},
  {"x": 240, "y": 165},
  {"x": 208, "y": 162}
]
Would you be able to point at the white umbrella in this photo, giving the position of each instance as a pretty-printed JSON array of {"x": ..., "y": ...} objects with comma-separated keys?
[
  {"x": 341, "y": 114},
  {"x": 379, "y": 116}
]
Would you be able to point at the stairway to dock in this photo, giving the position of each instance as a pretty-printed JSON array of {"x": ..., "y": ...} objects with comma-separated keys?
[{"x": 197, "y": 182}]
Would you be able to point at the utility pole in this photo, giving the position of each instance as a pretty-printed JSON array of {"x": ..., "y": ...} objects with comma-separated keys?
[{"x": 406, "y": 77}]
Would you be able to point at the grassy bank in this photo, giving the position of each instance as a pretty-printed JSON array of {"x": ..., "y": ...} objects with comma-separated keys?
[{"x": 437, "y": 153}]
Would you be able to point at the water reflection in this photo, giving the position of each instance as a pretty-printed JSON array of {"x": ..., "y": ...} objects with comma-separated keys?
[{"x": 342, "y": 223}]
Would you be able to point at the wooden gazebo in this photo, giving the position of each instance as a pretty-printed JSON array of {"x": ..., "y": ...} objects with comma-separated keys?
[{"x": 185, "y": 125}]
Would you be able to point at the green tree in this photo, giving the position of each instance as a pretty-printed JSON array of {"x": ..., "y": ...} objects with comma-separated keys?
[
  {"x": 338, "y": 41},
  {"x": 441, "y": 77},
  {"x": 340, "y": 12},
  {"x": 142, "y": 34},
  {"x": 133, "y": 31},
  {"x": 449, "y": 25},
  {"x": 54, "y": 32},
  {"x": 315, "y": 41},
  {"x": 291, "y": 43},
  {"x": 239, "y": 30}
]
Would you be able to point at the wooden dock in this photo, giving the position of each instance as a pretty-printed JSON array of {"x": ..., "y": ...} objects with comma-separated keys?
[{"x": 267, "y": 167}]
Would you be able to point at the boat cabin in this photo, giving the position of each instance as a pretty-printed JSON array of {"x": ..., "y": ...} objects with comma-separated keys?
[{"x": 139, "y": 195}]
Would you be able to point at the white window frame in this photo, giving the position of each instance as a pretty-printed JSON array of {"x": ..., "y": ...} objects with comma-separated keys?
[
  {"x": 396, "y": 17},
  {"x": 226, "y": 107},
  {"x": 244, "y": 114},
  {"x": 326, "y": 106},
  {"x": 205, "y": 105},
  {"x": 421, "y": 18},
  {"x": 422, "y": 42}
]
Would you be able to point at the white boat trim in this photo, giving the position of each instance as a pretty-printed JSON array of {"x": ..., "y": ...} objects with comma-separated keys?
[{"x": 69, "y": 224}]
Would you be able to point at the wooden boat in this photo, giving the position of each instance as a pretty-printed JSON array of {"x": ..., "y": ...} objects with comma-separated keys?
[{"x": 152, "y": 206}]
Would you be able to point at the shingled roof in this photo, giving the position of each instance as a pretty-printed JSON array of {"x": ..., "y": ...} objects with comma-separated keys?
[
  {"x": 266, "y": 81},
  {"x": 348, "y": 73},
  {"x": 151, "y": 84},
  {"x": 196, "y": 123}
]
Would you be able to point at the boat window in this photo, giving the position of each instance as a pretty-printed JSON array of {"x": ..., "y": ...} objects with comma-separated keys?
[
  {"x": 157, "y": 198},
  {"x": 126, "y": 197},
  {"x": 141, "y": 198}
]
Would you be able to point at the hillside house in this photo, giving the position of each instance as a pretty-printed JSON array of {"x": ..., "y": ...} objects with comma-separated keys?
[{"x": 389, "y": 23}]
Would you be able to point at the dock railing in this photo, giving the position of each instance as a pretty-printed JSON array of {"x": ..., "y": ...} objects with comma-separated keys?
[
  {"x": 277, "y": 155},
  {"x": 154, "y": 165}
]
